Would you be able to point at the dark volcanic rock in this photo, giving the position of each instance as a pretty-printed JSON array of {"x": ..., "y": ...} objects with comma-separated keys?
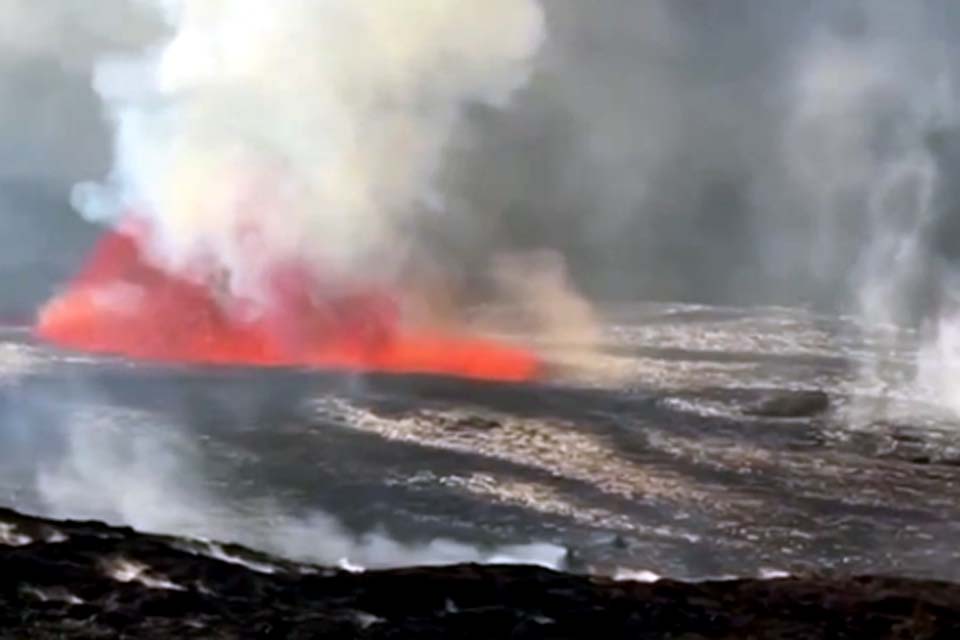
[
  {"x": 88, "y": 580},
  {"x": 790, "y": 404}
]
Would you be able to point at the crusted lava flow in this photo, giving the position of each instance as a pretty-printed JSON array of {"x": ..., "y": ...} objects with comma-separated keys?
[
  {"x": 88, "y": 580},
  {"x": 121, "y": 304}
]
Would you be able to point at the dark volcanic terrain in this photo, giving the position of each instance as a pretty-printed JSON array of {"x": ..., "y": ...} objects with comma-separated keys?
[{"x": 62, "y": 579}]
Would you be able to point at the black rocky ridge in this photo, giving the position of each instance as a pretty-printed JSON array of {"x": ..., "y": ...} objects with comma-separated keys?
[{"x": 65, "y": 579}]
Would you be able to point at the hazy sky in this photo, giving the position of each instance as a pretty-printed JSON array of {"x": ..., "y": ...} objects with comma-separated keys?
[{"x": 677, "y": 149}]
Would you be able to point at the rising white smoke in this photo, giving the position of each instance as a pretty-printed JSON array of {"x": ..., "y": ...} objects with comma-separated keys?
[
  {"x": 859, "y": 149},
  {"x": 312, "y": 131},
  {"x": 858, "y": 144},
  {"x": 164, "y": 487}
]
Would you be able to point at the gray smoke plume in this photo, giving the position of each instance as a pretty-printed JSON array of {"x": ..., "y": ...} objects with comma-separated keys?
[
  {"x": 52, "y": 134},
  {"x": 740, "y": 152},
  {"x": 696, "y": 151}
]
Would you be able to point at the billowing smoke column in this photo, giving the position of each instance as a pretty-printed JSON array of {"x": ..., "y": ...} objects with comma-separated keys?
[
  {"x": 868, "y": 144},
  {"x": 271, "y": 158}
]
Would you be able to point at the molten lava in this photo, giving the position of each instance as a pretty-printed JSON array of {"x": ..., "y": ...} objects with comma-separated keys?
[{"x": 120, "y": 304}]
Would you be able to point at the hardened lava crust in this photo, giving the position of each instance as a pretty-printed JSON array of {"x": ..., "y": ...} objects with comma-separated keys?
[{"x": 63, "y": 579}]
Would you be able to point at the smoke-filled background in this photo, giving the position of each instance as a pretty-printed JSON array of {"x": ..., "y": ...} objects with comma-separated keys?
[{"x": 749, "y": 152}]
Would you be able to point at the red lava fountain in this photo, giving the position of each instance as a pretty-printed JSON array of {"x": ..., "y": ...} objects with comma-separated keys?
[{"x": 120, "y": 304}]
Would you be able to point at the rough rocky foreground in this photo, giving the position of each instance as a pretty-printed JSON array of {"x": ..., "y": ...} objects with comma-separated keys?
[{"x": 89, "y": 580}]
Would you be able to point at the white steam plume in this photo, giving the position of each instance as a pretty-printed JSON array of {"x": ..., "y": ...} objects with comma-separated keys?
[
  {"x": 859, "y": 149},
  {"x": 264, "y": 132},
  {"x": 163, "y": 488},
  {"x": 858, "y": 144}
]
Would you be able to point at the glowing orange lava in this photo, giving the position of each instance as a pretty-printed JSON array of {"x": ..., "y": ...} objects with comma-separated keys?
[{"x": 119, "y": 304}]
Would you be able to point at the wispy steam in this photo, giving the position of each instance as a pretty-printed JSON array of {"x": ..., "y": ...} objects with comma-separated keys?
[
  {"x": 871, "y": 112},
  {"x": 132, "y": 468}
]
